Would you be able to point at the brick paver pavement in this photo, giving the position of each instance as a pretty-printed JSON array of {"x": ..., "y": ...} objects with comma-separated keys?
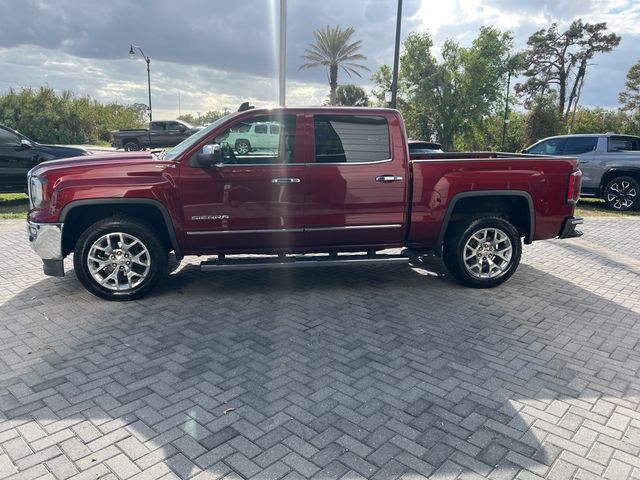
[{"x": 371, "y": 372}]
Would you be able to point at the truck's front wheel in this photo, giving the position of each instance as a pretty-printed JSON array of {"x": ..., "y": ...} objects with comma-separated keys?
[
  {"x": 119, "y": 258},
  {"x": 482, "y": 252}
]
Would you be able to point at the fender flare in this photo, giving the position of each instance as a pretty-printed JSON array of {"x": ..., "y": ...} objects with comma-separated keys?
[
  {"x": 487, "y": 193},
  {"x": 168, "y": 223}
]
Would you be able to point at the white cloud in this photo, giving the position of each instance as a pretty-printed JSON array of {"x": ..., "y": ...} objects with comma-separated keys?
[{"x": 223, "y": 59}]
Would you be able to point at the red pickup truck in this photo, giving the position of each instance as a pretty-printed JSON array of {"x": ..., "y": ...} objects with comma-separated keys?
[{"x": 338, "y": 189}]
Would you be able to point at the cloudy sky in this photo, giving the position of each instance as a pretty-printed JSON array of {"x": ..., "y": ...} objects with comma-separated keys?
[{"x": 212, "y": 54}]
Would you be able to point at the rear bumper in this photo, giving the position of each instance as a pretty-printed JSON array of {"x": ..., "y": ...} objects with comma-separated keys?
[
  {"x": 46, "y": 241},
  {"x": 569, "y": 228}
]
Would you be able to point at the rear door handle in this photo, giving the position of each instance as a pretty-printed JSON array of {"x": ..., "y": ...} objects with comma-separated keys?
[
  {"x": 388, "y": 178},
  {"x": 285, "y": 180}
]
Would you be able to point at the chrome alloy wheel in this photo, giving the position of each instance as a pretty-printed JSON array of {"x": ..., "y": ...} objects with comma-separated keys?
[
  {"x": 621, "y": 195},
  {"x": 118, "y": 261},
  {"x": 487, "y": 253}
]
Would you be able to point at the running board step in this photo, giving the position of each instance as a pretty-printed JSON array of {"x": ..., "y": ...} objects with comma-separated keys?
[{"x": 253, "y": 263}]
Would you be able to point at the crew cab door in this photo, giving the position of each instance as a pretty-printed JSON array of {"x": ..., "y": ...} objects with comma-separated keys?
[
  {"x": 175, "y": 133},
  {"x": 356, "y": 187},
  {"x": 157, "y": 135},
  {"x": 252, "y": 201}
]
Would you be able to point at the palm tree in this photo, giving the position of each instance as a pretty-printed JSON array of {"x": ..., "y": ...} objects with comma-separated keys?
[{"x": 333, "y": 49}]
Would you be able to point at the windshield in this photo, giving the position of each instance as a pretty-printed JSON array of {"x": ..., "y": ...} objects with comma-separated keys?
[{"x": 193, "y": 139}]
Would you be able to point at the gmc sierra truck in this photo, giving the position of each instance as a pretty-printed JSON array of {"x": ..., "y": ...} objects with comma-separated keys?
[
  {"x": 610, "y": 165},
  {"x": 339, "y": 188},
  {"x": 164, "y": 133}
]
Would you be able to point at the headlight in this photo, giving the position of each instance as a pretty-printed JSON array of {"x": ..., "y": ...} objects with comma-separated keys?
[{"x": 37, "y": 191}]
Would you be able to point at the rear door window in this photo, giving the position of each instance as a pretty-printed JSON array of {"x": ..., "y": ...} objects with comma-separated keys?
[
  {"x": 624, "y": 144},
  {"x": 351, "y": 139},
  {"x": 579, "y": 145},
  {"x": 261, "y": 128}
]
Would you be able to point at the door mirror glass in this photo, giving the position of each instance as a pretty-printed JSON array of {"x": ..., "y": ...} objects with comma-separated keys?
[{"x": 25, "y": 144}]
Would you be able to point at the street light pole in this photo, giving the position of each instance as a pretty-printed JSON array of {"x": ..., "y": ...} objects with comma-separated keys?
[
  {"x": 283, "y": 53},
  {"x": 506, "y": 112},
  {"x": 148, "y": 60},
  {"x": 396, "y": 58}
]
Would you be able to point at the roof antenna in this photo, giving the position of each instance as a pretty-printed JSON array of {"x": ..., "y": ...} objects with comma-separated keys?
[{"x": 245, "y": 106}]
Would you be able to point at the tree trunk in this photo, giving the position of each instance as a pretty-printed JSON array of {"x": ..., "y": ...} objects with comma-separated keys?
[
  {"x": 575, "y": 105},
  {"x": 562, "y": 94},
  {"x": 574, "y": 96},
  {"x": 333, "y": 83}
]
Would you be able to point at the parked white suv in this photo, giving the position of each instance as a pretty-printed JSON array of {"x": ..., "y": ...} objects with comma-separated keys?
[{"x": 248, "y": 137}]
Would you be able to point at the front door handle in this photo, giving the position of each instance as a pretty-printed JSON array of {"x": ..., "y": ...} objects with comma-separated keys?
[
  {"x": 388, "y": 178},
  {"x": 285, "y": 180}
]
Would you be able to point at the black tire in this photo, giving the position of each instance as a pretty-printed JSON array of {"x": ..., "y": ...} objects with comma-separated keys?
[
  {"x": 622, "y": 194},
  {"x": 131, "y": 146},
  {"x": 93, "y": 241},
  {"x": 459, "y": 244},
  {"x": 243, "y": 147}
]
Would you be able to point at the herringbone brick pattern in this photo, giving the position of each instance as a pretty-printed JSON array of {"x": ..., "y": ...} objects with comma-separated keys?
[{"x": 373, "y": 372}]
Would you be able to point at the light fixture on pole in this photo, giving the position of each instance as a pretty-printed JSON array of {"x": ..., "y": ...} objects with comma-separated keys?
[{"x": 132, "y": 54}]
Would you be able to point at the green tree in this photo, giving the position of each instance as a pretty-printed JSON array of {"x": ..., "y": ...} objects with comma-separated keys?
[
  {"x": 451, "y": 99},
  {"x": 489, "y": 137},
  {"x": 381, "y": 79},
  {"x": 64, "y": 118},
  {"x": 543, "y": 119},
  {"x": 209, "y": 117},
  {"x": 558, "y": 61},
  {"x": 334, "y": 49},
  {"x": 351, "y": 96},
  {"x": 629, "y": 98},
  {"x": 599, "y": 120}
]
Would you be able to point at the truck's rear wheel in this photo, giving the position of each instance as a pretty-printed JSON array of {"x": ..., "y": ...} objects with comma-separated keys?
[
  {"x": 119, "y": 258},
  {"x": 131, "y": 146},
  {"x": 622, "y": 194},
  {"x": 482, "y": 252}
]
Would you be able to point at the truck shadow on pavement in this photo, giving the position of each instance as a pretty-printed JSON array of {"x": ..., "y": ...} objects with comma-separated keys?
[{"x": 372, "y": 372}]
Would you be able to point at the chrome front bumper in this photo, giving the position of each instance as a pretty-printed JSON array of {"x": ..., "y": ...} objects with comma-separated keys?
[{"x": 46, "y": 241}]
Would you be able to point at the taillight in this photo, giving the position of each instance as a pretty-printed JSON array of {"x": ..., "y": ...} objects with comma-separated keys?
[{"x": 573, "y": 192}]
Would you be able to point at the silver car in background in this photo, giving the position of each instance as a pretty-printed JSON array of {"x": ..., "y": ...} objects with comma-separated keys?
[{"x": 610, "y": 165}]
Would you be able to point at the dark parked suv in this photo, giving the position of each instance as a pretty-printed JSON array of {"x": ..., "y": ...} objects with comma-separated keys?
[
  {"x": 610, "y": 165},
  {"x": 18, "y": 154}
]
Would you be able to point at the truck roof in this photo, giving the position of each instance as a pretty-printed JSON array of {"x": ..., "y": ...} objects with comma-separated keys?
[{"x": 324, "y": 109}]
